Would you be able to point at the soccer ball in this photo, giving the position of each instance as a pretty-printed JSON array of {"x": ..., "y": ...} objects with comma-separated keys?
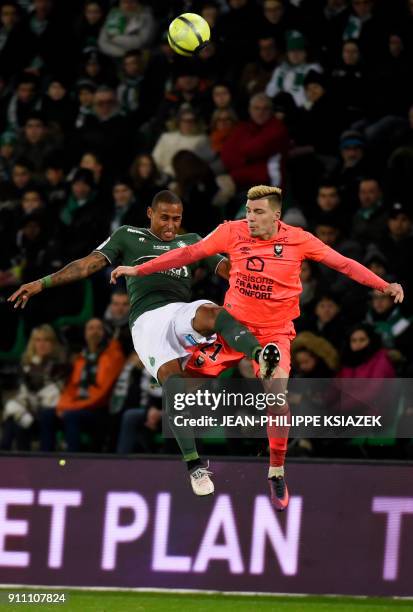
[{"x": 188, "y": 33}]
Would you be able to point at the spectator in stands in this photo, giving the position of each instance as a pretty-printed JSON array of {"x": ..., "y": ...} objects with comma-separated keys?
[
  {"x": 50, "y": 35},
  {"x": 186, "y": 92},
  {"x": 257, "y": 74},
  {"x": 23, "y": 102},
  {"x": 328, "y": 198},
  {"x": 188, "y": 137},
  {"x": 310, "y": 285},
  {"x": 202, "y": 193},
  {"x": 83, "y": 403},
  {"x": 128, "y": 26},
  {"x": 277, "y": 19},
  {"x": 95, "y": 68},
  {"x": 56, "y": 187},
  {"x": 210, "y": 12},
  {"x": 92, "y": 161},
  {"x": 43, "y": 372},
  {"x": 313, "y": 356},
  {"x": 375, "y": 261},
  {"x": 126, "y": 210},
  {"x": 21, "y": 178},
  {"x": 88, "y": 25},
  {"x": 389, "y": 80},
  {"x": 107, "y": 131},
  {"x": 329, "y": 229},
  {"x": 319, "y": 120},
  {"x": 38, "y": 249},
  {"x": 289, "y": 76},
  {"x": 392, "y": 325},
  {"x": 32, "y": 201},
  {"x": 223, "y": 122},
  {"x": 237, "y": 30},
  {"x": 126, "y": 393},
  {"x": 364, "y": 358},
  {"x": 129, "y": 88},
  {"x": 146, "y": 179},
  {"x": 397, "y": 243},
  {"x": 254, "y": 152},
  {"x": 328, "y": 205},
  {"x": 36, "y": 143},
  {"x": 326, "y": 319},
  {"x": 327, "y": 29},
  {"x": 210, "y": 64},
  {"x": 363, "y": 26},
  {"x": 363, "y": 355},
  {"x": 369, "y": 222},
  {"x": 158, "y": 79},
  {"x": 81, "y": 217},
  {"x": 7, "y": 153},
  {"x": 222, "y": 96},
  {"x": 85, "y": 94},
  {"x": 142, "y": 415},
  {"x": 348, "y": 84},
  {"x": 116, "y": 320},
  {"x": 16, "y": 45},
  {"x": 353, "y": 167},
  {"x": 58, "y": 107}
]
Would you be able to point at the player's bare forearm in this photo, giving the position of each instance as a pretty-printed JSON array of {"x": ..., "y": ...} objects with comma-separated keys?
[
  {"x": 75, "y": 270},
  {"x": 78, "y": 269}
]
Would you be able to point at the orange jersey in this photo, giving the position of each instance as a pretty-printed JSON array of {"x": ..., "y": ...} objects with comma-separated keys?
[{"x": 264, "y": 284}]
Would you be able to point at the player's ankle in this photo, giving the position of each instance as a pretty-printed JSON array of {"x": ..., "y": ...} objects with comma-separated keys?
[{"x": 193, "y": 463}]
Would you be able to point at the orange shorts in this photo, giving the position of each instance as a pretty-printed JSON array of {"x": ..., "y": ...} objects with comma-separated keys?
[{"x": 211, "y": 360}]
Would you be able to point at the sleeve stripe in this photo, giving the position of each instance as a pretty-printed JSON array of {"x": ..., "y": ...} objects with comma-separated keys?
[
  {"x": 216, "y": 267},
  {"x": 102, "y": 253}
]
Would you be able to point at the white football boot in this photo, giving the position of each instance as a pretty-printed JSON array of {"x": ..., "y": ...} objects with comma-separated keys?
[{"x": 200, "y": 480}]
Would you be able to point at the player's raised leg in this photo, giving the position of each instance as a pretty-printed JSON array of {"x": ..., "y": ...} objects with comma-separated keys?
[{"x": 210, "y": 318}]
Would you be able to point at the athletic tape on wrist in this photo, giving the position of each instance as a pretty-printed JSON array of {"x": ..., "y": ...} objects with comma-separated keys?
[{"x": 46, "y": 282}]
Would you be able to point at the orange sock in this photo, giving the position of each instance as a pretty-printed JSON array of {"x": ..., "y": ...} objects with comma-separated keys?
[{"x": 278, "y": 440}]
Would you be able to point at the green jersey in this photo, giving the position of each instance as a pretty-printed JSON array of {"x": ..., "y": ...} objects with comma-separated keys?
[{"x": 131, "y": 246}]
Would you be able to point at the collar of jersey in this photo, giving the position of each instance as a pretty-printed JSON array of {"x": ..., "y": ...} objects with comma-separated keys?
[{"x": 157, "y": 237}]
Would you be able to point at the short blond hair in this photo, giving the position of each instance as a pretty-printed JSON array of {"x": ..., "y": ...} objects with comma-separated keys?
[{"x": 272, "y": 194}]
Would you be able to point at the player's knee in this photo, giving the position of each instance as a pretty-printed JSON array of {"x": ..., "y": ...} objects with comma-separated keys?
[
  {"x": 171, "y": 369},
  {"x": 205, "y": 319}
]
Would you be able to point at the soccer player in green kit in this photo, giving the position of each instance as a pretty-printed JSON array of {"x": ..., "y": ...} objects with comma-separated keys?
[{"x": 163, "y": 321}]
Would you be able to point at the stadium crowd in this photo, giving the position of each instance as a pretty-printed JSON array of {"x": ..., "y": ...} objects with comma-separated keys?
[{"x": 97, "y": 114}]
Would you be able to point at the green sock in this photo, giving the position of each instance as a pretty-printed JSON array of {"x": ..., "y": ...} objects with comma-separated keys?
[
  {"x": 185, "y": 442},
  {"x": 237, "y": 335}
]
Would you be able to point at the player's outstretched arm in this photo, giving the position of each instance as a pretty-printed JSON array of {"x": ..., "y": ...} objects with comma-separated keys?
[
  {"x": 359, "y": 273},
  {"x": 216, "y": 242},
  {"x": 75, "y": 270}
]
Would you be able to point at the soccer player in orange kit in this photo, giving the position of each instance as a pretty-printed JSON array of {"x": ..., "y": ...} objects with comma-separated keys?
[{"x": 264, "y": 285}]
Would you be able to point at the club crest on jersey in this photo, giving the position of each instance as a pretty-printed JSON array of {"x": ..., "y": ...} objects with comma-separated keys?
[
  {"x": 181, "y": 243},
  {"x": 278, "y": 250},
  {"x": 245, "y": 250}
]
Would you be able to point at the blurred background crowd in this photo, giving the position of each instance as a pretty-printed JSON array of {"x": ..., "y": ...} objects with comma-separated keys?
[{"x": 97, "y": 114}]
